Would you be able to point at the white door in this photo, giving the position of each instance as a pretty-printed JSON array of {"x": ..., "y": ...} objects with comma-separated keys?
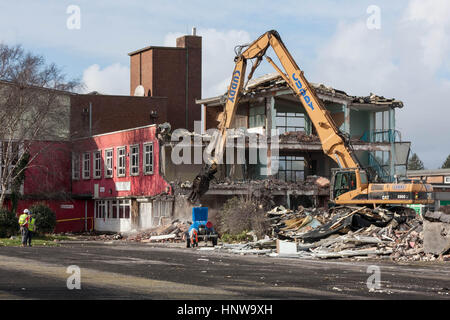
[{"x": 145, "y": 215}]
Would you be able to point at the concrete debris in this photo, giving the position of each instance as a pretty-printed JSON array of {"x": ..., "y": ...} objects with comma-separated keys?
[
  {"x": 287, "y": 224},
  {"x": 436, "y": 237},
  {"x": 374, "y": 99},
  {"x": 322, "y": 182},
  {"x": 298, "y": 136},
  {"x": 437, "y": 216},
  {"x": 353, "y": 232},
  {"x": 173, "y": 232},
  {"x": 264, "y": 246},
  {"x": 273, "y": 81}
]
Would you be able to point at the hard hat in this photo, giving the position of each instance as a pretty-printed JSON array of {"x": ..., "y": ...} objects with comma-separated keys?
[{"x": 26, "y": 211}]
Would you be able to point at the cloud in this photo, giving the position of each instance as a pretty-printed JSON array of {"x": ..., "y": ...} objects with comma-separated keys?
[
  {"x": 113, "y": 79},
  {"x": 217, "y": 57},
  {"x": 355, "y": 53},
  {"x": 431, "y": 22},
  {"x": 405, "y": 61}
]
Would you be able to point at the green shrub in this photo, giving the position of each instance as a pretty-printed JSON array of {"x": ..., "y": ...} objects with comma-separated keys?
[
  {"x": 9, "y": 224},
  {"x": 240, "y": 237},
  {"x": 239, "y": 215},
  {"x": 45, "y": 218}
]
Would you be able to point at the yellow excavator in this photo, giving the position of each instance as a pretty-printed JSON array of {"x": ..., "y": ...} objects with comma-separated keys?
[{"x": 350, "y": 183}]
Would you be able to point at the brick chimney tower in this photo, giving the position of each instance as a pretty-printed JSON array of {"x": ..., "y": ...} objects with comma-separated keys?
[{"x": 172, "y": 72}]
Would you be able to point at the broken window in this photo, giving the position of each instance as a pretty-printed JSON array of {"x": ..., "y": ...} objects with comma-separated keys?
[
  {"x": 257, "y": 117},
  {"x": 382, "y": 127},
  {"x": 291, "y": 168},
  {"x": 161, "y": 209}
]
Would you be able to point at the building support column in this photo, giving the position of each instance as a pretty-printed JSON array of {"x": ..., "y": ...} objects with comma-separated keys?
[
  {"x": 270, "y": 124},
  {"x": 392, "y": 138},
  {"x": 346, "y": 118}
]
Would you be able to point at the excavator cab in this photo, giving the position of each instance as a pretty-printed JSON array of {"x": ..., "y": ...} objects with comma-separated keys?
[{"x": 346, "y": 180}]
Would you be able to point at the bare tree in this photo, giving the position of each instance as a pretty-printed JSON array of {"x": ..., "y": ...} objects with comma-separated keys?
[{"x": 34, "y": 107}]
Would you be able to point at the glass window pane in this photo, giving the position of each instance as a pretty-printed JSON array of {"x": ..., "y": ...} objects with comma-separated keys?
[
  {"x": 280, "y": 121},
  {"x": 297, "y": 165},
  {"x": 127, "y": 212},
  {"x": 114, "y": 211},
  {"x": 378, "y": 121},
  {"x": 294, "y": 122}
]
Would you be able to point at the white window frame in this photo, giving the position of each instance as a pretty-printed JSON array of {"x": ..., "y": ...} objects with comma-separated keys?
[
  {"x": 101, "y": 204},
  {"x": 115, "y": 205},
  {"x": 97, "y": 172},
  {"x": 124, "y": 156},
  {"x": 148, "y": 167},
  {"x": 76, "y": 166},
  {"x": 88, "y": 169},
  {"x": 134, "y": 160},
  {"x": 109, "y": 166},
  {"x": 123, "y": 205}
]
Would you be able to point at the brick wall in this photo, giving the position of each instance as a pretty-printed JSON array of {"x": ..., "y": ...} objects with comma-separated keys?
[
  {"x": 172, "y": 72},
  {"x": 113, "y": 113}
]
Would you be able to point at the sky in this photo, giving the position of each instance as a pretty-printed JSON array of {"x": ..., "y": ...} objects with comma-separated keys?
[{"x": 400, "y": 49}]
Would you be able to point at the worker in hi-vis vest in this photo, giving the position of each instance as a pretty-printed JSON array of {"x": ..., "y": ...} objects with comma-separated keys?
[
  {"x": 23, "y": 223},
  {"x": 31, "y": 227}
]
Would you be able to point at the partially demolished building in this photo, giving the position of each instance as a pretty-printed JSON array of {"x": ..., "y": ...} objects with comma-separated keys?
[
  {"x": 118, "y": 167},
  {"x": 269, "y": 103},
  {"x": 289, "y": 164}
]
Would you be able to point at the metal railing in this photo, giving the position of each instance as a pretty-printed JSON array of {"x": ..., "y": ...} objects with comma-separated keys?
[
  {"x": 389, "y": 135},
  {"x": 377, "y": 169}
]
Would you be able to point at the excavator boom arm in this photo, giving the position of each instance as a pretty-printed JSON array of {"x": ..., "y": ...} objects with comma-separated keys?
[{"x": 333, "y": 143}]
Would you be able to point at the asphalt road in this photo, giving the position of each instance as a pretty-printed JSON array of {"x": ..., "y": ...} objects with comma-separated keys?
[{"x": 137, "y": 271}]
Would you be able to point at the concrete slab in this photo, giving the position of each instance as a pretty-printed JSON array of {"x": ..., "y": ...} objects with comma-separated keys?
[{"x": 436, "y": 237}]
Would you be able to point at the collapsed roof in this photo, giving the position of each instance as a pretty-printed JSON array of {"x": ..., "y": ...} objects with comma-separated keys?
[{"x": 273, "y": 82}]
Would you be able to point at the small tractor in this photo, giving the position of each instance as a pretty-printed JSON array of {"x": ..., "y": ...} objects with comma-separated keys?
[{"x": 201, "y": 228}]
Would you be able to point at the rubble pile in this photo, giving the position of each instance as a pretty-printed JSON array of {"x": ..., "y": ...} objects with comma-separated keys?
[
  {"x": 173, "y": 232},
  {"x": 401, "y": 242},
  {"x": 261, "y": 247},
  {"x": 287, "y": 224},
  {"x": 351, "y": 232},
  {"x": 298, "y": 136},
  {"x": 310, "y": 183}
]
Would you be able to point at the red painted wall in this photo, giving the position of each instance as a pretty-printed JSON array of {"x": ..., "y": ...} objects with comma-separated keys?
[
  {"x": 50, "y": 175},
  {"x": 142, "y": 185},
  {"x": 49, "y": 172},
  {"x": 73, "y": 210}
]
